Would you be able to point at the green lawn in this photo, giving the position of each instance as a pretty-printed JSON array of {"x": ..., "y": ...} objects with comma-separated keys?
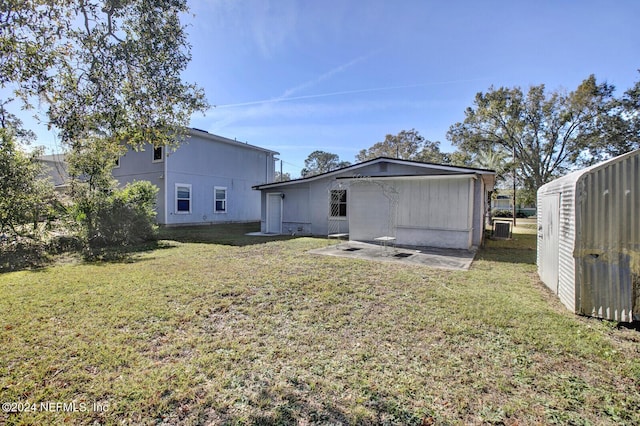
[{"x": 212, "y": 327}]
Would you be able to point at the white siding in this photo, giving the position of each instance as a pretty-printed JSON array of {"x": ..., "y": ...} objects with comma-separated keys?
[
  {"x": 438, "y": 206},
  {"x": 434, "y": 211},
  {"x": 369, "y": 212}
]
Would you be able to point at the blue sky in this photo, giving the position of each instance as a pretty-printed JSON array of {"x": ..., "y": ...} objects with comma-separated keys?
[{"x": 336, "y": 75}]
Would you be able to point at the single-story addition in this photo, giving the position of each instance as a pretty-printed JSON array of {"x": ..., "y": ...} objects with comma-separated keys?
[
  {"x": 206, "y": 180},
  {"x": 407, "y": 202},
  {"x": 589, "y": 238}
]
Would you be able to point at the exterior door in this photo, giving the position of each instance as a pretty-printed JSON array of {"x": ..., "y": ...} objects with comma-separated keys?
[
  {"x": 550, "y": 241},
  {"x": 274, "y": 213}
]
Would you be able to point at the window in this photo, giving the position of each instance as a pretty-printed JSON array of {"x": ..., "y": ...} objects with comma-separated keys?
[
  {"x": 338, "y": 203},
  {"x": 220, "y": 199},
  {"x": 157, "y": 154},
  {"x": 183, "y": 198}
]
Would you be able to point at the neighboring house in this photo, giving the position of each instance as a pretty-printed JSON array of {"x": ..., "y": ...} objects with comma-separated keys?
[
  {"x": 56, "y": 170},
  {"x": 207, "y": 179},
  {"x": 409, "y": 202},
  {"x": 503, "y": 202}
]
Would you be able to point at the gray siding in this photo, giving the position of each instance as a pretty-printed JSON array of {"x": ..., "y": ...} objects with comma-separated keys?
[
  {"x": 205, "y": 164},
  {"x": 139, "y": 166},
  {"x": 392, "y": 169},
  {"x": 203, "y": 161}
]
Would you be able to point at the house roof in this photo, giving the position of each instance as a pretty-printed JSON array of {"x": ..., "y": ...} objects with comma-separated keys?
[
  {"x": 55, "y": 158},
  {"x": 453, "y": 170},
  {"x": 212, "y": 137}
]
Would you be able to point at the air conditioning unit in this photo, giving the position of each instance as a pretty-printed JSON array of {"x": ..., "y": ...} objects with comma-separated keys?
[{"x": 502, "y": 230}]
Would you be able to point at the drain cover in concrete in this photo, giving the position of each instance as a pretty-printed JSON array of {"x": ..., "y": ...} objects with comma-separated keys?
[{"x": 403, "y": 255}]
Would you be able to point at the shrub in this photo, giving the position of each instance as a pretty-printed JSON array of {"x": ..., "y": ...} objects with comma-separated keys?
[
  {"x": 125, "y": 217},
  {"x": 509, "y": 213}
]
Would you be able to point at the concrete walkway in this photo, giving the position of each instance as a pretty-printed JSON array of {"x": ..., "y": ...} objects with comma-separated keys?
[{"x": 427, "y": 256}]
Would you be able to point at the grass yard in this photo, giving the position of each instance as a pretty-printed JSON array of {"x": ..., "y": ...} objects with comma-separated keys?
[{"x": 212, "y": 327}]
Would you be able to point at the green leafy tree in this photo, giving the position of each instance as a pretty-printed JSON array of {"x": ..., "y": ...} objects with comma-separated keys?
[
  {"x": 620, "y": 128},
  {"x": 321, "y": 162},
  {"x": 458, "y": 158},
  {"x": 101, "y": 67},
  {"x": 281, "y": 177},
  {"x": 548, "y": 132},
  {"x": 25, "y": 196},
  {"x": 497, "y": 160},
  {"x": 109, "y": 216},
  {"x": 108, "y": 74},
  {"x": 406, "y": 145}
]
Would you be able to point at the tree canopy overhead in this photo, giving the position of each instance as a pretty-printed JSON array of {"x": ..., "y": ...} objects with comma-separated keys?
[
  {"x": 109, "y": 67},
  {"x": 547, "y": 131}
]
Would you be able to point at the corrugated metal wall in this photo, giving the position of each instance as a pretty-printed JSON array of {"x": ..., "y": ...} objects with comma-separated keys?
[
  {"x": 567, "y": 272},
  {"x": 563, "y": 259},
  {"x": 608, "y": 244},
  {"x": 599, "y": 239}
]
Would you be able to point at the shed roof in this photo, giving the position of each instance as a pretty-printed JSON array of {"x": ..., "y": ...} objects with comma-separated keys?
[{"x": 453, "y": 170}]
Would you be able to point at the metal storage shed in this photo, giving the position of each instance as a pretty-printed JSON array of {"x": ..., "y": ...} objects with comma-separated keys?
[{"x": 589, "y": 238}]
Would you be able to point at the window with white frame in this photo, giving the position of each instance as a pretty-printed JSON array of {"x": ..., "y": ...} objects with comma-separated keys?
[
  {"x": 338, "y": 203},
  {"x": 158, "y": 154},
  {"x": 220, "y": 199},
  {"x": 183, "y": 198}
]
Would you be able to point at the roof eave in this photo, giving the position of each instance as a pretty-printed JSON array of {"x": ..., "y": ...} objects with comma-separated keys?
[{"x": 210, "y": 136}]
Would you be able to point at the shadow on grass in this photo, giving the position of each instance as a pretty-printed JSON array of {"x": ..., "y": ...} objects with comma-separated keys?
[
  {"x": 231, "y": 234},
  {"x": 38, "y": 258},
  {"x": 294, "y": 408},
  {"x": 519, "y": 249}
]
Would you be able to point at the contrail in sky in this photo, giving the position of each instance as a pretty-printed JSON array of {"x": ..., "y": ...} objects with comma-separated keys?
[
  {"x": 344, "y": 92},
  {"x": 287, "y": 94}
]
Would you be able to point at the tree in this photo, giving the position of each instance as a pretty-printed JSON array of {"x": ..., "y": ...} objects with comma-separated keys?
[
  {"x": 111, "y": 68},
  {"x": 281, "y": 177},
  {"x": 620, "y": 128},
  {"x": 109, "y": 216},
  {"x": 406, "y": 145},
  {"x": 24, "y": 195},
  {"x": 546, "y": 133},
  {"x": 458, "y": 158},
  {"x": 109, "y": 75},
  {"x": 497, "y": 160},
  {"x": 321, "y": 162}
]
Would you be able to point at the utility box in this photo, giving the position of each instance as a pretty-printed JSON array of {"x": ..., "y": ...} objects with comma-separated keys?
[{"x": 589, "y": 239}]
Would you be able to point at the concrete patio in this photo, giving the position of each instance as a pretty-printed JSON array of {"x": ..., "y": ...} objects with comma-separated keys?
[{"x": 454, "y": 259}]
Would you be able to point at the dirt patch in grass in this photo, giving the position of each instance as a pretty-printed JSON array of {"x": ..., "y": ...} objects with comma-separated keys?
[{"x": 264, "y": 333}]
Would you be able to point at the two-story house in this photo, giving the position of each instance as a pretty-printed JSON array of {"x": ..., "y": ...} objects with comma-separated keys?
[{"x": 207, "y": 179}]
